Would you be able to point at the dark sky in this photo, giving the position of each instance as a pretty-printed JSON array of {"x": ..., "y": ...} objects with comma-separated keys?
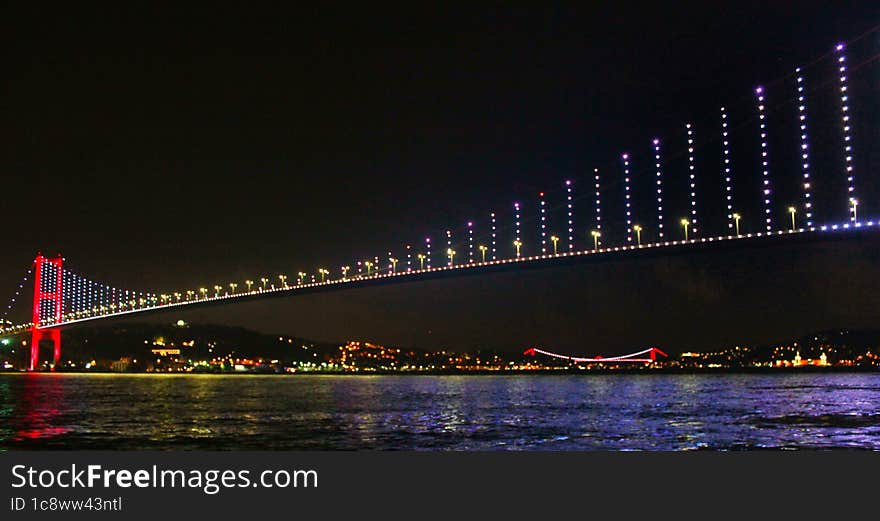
[{"x": 171, "y": 149}]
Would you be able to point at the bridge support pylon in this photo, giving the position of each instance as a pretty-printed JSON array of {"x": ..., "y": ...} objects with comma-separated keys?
[
  {"x": 37, "y": 335},
  {"x": 48, "y": 292}
]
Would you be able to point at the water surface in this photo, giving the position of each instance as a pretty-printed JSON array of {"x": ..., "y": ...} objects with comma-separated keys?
[{"x": 520, "y": 412}]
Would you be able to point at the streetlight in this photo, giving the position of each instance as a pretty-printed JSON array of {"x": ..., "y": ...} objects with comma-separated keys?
[
  {"x": 596, "y": 234},
  {"x": 855, "y": 207},
  {"x": 249, "y": 284},
  {"x": 736, "y": 218},
  {"x": 421, "y": 257},
  {"x": 685, "y": 223},
  {"x": 283, "y": 279},
  {"x": 204, "y": 292},
  {"x": 638, "y": 230},
  {"x": 189, "y": 294},
  {"x": 345, "y": 271},
  {"x": 393, "y": 264},
  {"x": 301, "y": 277},
  {"x": 323, "y": 272},
  {"x": 792, "y": 210},
  {"x": 369, "y": 265},
  {"x": 264, "y": 280},
  {"x": 483, "y": 251},
  {"x": 177, "y": 296},
  {"x": 555, "y": 240},
  {"x": 451, "y": 253},
  {"x": 232, "y": 286},
  {"x": 217, "y": 290},
  {"x": 518, "y": 244}
]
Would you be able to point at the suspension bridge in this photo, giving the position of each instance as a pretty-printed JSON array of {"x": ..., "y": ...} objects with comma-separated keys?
[
  {"x": 645, "y": 356},
  {"x": 554, "y": 227}
]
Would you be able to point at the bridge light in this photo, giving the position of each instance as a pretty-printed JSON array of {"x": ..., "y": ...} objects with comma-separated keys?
[
  {"x": 792, "y": 210},
  {"x": 854, "y": 205},
  {"x": 494, "y": 249},
  {"x": 596, "y": 234},
  {"x": 449, "y": 243},
  {"x": 517, "y": 244},
  {"x": 765, "y": 161},
  {"x": 249, "y": 283},
  {"x": 598, "y": 202},
  {"x": 736, "y": 218},
  {"x": 685, "y": 223},
  {"x": 516, "y": 224},
  {"x": 659, "y": 176},
  {"x": 692, "y": 175},
  {"x": 627, "y": 196},
  {"x": 451, "y": 253},
  {"x": 846, "y": 126},
  {"x": 470, "y": 226},
  {"x": 805, "y": 152},
  {"x": 638, "y": 229},
  {"x": 542, "y": 206},
  {"x": 569, "y": 213},
  {"x": 428, "y": 254},
  {"x": 554, "y": 239},
  {"x": 483, "y": 251},
  {"x": 725, "y": 154}
]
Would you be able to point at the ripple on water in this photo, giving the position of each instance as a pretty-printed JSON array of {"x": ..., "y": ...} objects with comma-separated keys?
[{"x": 548, "y": 412}]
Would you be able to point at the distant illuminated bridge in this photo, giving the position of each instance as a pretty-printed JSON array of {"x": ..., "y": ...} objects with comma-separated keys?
[
  {"x": 645, "y": 356},
  {"x": 556, "y": 234}
]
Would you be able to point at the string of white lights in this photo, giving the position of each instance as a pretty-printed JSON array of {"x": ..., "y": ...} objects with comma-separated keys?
[
  {"x": 765, "y": 160},
  {"x": 543, "y": 221},
  {"x": 570, "y": 214},
  {"x": 15, "y": 296},
  {"x": 598, "y": 206},
  {"x": 805, "y": 151},
  {"x": 517, "y": 239},
  {"x": 659, "y": 175},
  {"x": 449, "y": 246},
  {"x": 728, "y": 172},
  {"x": 847, "y": 132},
  {"x": 494, "y": 237},
  {"x": 627, "y": 198},
  {"x": 692, "y": 177},
  {"x": 470, "y": 226}
]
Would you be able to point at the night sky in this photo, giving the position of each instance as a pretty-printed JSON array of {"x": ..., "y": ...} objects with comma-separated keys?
[{"x": 171, "y": 149}]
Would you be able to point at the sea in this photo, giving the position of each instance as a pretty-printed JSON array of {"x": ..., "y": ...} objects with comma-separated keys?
[{"x": 573, "y": 412}]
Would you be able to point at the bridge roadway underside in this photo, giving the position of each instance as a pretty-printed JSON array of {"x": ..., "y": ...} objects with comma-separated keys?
[{"x": 864, "y": 234}]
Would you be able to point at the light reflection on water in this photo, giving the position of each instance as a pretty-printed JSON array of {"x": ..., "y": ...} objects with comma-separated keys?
[{"x": 569, "y": 412}]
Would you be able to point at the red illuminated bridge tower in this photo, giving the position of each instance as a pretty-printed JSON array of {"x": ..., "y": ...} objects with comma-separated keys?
[{"x": 48, "y": 292}]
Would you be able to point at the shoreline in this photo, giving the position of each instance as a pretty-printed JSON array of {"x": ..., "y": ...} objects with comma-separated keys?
[{"x": 484, "y": 372}]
